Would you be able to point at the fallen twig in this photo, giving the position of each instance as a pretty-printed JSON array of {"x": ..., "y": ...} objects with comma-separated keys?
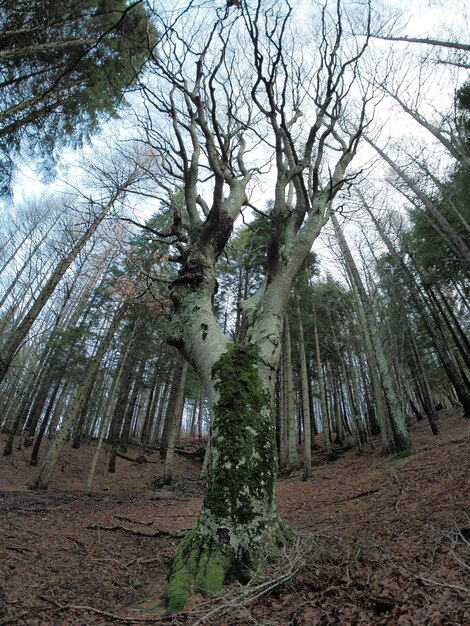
[
  {"x": 76, "y": 542},
  {"x": 143, "y": 561},
  {"x": 132, "y": 521},
  {"x": 19, "y": 549},
  {"x": 363, "y": 494},
  {"x": 156, "y": 533},
  {"x": 113, "y": 616},
  {"x": 402, "y": 491},
  {"x": 441, "y": 583}
]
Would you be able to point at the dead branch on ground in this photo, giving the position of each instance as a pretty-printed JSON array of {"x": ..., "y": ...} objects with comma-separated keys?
[{"x": 157, "y": 533}]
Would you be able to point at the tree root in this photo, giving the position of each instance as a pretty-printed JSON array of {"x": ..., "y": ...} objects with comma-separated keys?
[
  {"x": 195, "y": 569},
  {"x": 290, "y": 562},
  {"x": 203, "y": 565}
]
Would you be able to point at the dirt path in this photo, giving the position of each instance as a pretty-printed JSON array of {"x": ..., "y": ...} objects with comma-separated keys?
[{"x": 381, "y": 542}]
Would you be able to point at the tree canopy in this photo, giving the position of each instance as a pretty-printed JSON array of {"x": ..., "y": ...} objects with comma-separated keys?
[{"x": 65, "y": 68}]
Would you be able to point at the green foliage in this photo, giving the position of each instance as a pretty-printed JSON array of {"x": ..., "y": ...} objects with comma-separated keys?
[
  {"x": 335, "y": 319},
  {"x": 429, "y": 247},
  {"x": 65, "y": 67},
  {"x": 462, "y": 98}
]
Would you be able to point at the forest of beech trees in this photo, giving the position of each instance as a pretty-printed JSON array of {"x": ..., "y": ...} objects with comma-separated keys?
[
  {"x": 96, "y": 365},
  {"x": 249, "y": 195}
]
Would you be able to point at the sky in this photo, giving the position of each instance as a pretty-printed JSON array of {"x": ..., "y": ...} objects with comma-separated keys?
[{"x": 424, "y": 18}]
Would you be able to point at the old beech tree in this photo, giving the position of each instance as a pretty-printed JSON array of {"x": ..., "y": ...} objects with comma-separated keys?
[{"x": 243, "y": 104}]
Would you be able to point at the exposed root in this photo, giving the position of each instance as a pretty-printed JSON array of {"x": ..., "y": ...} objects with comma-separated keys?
[
  {"x": 195, "y": 570},
  {"x": 263, "y": 582}
]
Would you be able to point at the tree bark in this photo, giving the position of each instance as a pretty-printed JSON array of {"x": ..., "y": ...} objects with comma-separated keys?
[
  {"x": 448, "y": 362},
  {"x": 321, "y": 384},
  {"x": 307, "y": 472},
  {"x": 176, "y": 409},
  {"x": 42, "y": 479},
  {"x": 18, "y": 335},
  {"x": 401, "y": 440},
  {"x": 105, "y": 422}
]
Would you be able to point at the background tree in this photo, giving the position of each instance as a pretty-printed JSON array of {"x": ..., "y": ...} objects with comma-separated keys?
[{"x": 65, "y": 68}]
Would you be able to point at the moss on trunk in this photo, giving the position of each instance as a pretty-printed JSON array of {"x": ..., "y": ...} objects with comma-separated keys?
[{"x": 239, "y": 528}]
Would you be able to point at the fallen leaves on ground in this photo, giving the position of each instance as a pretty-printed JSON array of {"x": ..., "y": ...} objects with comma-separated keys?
[{"x": 379, "y": 541}]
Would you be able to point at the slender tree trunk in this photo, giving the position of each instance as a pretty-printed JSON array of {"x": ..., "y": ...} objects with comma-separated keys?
[
  {"x": 20, "y": 272},
  {"x": 460, "y": 340},
  {"x": 321, "y": 385},
  {"x": 124, "y": 439},
  {"x": 105, "y": 422},
  {"x": 177, "y": 388},
  {"x": 401, "y": 440},
  {"x": 353, "y": 403},
  {"x": 45, "y": 421},
  {"x": 289, "y": 410},
  {"x": 41, "y": 481},
  {"x": 80, "y": 423},
  {"x": 122, "y": 400},
  {"x": 448, "y": 362},
  {"x": 18, "y": 335},
  {"x": 174, "y": 423},
  {"x": 425, "y": 389},
  {"x": 307, "y": 473},
  {"x": 150, "y": 409},
  {"x": 162, "y": 404},
  {"x": 447, "y": 231},
  {"x": 13, "y": 421}
]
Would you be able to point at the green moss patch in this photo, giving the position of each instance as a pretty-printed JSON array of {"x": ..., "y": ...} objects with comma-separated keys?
[
  {"x": 243, "y": 438},
  {"x": 195, "y": 569}
]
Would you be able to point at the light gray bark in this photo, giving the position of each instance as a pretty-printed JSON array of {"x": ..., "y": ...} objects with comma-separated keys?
[
  {"x": 400, "y": 431},
  {"x": 106, "y": 420},
  {"x": 436, "y": 216},
  {"x": 307, "y": 472},
  {"x": 321, "y": 384},
  {"x": 177, "y": 412},
  {"x": 21, "y": 331},
  {"x": 445, "y": 355},
  {"x": 41, "y": 481}
]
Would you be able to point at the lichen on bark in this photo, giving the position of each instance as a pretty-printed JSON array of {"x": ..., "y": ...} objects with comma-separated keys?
[{"x": 239, "y": 528}]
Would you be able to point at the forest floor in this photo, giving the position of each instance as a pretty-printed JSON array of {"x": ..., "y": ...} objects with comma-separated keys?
[{"x": 379, "y": 541}]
